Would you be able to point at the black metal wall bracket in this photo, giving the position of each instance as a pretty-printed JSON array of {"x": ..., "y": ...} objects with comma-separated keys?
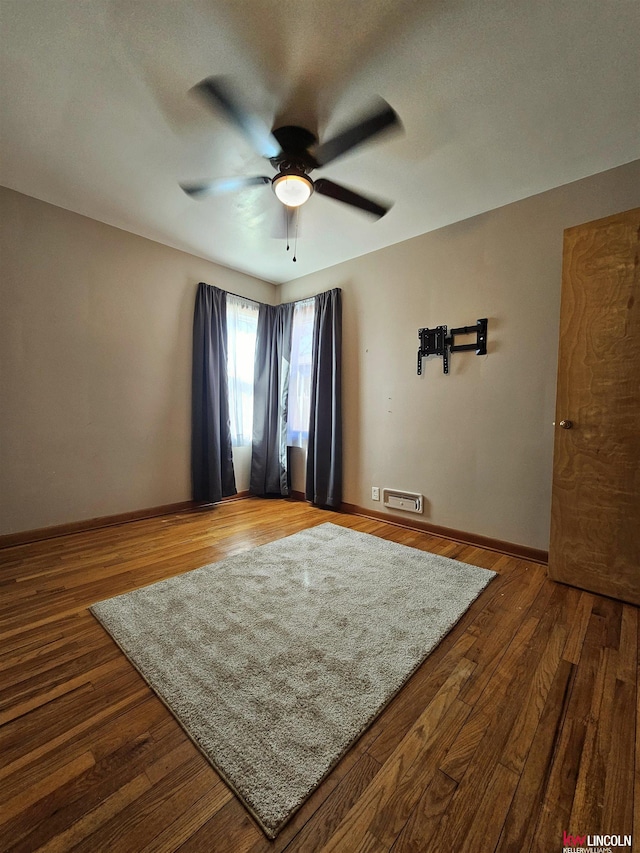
[{"x": 438, "y": 342}]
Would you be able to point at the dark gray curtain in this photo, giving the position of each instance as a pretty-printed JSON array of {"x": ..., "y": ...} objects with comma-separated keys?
[
  {"x": 211, "y": 456},
  {"x": 269, "y": 472},
  {"x": 324, "y": 453}
]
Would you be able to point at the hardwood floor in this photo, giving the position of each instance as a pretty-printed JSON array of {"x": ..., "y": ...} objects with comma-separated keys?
[{"x": 519, "y": 726}]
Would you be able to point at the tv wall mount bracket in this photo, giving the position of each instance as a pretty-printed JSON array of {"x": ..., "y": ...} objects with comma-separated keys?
[{"x": 438, "y": 342}]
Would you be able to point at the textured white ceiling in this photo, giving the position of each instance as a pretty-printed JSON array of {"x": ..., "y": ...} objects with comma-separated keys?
[{"x": 500, "y": 99}]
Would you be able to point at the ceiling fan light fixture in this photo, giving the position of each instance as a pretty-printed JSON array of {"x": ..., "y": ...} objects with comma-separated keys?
[{"x": 292, "y": 189}]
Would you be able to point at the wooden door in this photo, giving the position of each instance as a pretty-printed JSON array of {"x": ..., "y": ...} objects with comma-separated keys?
[{"x": 595, "y": 508}]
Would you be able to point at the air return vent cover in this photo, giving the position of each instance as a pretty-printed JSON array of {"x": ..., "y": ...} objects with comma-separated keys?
[{"x": 398, "y": 499}]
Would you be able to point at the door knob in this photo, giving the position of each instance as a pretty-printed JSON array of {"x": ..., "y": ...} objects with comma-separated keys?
[{"x": 566, "y": 424}]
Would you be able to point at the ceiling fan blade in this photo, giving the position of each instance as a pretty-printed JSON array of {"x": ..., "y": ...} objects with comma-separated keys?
[
  {"x": 380, "y": 119},
  {"x": 217, "y": 93},
  {"x": 340, "y": 193},
  {"x": 219, "y": 186}
]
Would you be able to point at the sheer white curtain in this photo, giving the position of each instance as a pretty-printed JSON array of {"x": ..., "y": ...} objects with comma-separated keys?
[
  {"x": 300, "y": 373},
  {"x": 242, "y": 324}
]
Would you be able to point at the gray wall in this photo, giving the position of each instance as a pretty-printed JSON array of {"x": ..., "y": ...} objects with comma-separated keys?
[
  {"x": 95, "y": 366},
  {"x": 477, "y": 443}
]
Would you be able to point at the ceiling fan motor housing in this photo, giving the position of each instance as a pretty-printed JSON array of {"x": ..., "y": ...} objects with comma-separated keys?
[{"x": 294, "y": 155}]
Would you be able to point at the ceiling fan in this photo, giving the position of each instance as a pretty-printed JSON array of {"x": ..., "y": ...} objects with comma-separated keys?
[{"x": 292, "y": 151}]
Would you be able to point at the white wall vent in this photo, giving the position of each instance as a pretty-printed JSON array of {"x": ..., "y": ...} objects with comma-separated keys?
[{"x": 407, "y": 501}]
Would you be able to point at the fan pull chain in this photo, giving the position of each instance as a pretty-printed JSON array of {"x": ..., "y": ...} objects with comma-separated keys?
[
  {"x": 295, "y": 248},
  {"x": 286, "y": 224}
]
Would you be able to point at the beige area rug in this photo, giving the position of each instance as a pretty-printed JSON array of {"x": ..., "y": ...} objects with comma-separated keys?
[{"x": 275, "y": 660}]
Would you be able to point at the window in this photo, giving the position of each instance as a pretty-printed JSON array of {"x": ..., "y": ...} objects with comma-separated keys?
[
  {"x": 242, "y": 325},
  {"x": 300, "y": 373}
]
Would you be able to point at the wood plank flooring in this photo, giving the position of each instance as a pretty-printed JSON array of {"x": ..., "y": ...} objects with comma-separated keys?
[{"x": 519, "y": 726}]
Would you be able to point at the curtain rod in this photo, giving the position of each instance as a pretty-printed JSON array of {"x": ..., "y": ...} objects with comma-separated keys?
[{"x": 257, "y": 301}]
